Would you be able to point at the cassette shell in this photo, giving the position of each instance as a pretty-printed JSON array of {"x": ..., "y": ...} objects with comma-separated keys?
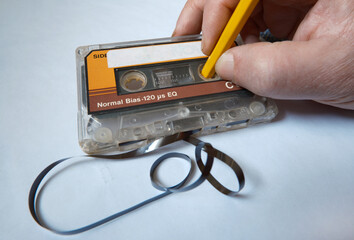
[{"x": 129, "y": 127}]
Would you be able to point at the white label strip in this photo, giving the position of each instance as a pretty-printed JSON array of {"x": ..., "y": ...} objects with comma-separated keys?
[{"x": 152, "y": 54}]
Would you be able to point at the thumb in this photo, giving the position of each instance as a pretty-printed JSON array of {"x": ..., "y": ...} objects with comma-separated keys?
[{"x": 285, "y": 70}]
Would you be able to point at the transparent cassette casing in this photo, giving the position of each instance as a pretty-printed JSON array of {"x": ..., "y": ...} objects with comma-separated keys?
[{"x": 129, "y": 128}]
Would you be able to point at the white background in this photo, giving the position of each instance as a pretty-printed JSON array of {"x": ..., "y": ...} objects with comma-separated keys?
[{"x": 299, "y": 169}]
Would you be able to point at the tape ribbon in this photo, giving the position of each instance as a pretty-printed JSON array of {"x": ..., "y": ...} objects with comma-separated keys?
[{"x": 180, "y": 187}]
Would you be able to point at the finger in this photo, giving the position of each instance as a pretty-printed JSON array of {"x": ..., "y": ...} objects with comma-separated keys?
[
  {"x": 281, "y": 20},
  {"x": 190, "y": 19},
  {"x": 285, "y": 70},
  {"x": 258, "y": 17},
  {"x": 250, "y": 32},
  {"x": 254, "y": 25},
  {"x": 216, "y": 15}
]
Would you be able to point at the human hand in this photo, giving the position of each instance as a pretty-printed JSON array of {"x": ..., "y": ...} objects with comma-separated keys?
[{"x": 317, "y": 64}]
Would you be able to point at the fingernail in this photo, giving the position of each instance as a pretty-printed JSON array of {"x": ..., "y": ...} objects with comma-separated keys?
[
  {"x": 203, "y": 47},
  {"x": 225, "y": 66},
  {"x": 174, "y": 33}
]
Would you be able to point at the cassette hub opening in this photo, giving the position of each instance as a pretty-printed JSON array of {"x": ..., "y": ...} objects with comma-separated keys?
[{"x": 133, "y": 81}]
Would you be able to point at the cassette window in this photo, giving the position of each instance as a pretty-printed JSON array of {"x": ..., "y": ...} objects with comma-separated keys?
[{"x": 159, "y": 76}]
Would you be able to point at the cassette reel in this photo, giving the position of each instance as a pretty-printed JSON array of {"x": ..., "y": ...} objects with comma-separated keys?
[{"x": 135, "y": 92}]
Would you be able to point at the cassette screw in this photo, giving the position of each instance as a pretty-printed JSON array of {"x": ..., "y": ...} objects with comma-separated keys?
[
  {"x": 257, "y": 108},
  {"x": 184, "y": 112},
  {"x": 125, "y": 133},
  {"x": 232, "y": 114},
  {"x": 137, "y": 131},
  {"x": 213, "y": 115},
  {"x": 198, "y": 107},
  {"x": 103, "y": 135}
]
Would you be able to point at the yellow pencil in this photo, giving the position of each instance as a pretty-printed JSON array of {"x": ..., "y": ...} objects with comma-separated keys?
[{"x": 233, "y": 28}]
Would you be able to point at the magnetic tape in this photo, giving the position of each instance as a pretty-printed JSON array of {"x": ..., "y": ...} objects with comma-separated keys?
[{"x": 135, "y": 92}]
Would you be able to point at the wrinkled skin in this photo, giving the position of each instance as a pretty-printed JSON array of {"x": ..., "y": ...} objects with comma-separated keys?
[{"x": 316, "y": 63}]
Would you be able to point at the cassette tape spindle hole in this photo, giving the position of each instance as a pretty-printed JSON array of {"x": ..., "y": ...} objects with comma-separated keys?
[
  {"x": 133, "y": 81},
  {"x": 215, "y": 77}
]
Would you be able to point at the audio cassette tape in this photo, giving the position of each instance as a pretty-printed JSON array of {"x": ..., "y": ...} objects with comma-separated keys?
[{"x": 132, "y": 93}]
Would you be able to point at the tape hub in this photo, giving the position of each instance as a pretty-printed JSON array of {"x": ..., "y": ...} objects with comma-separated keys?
[
  {"x": 215, "y": 77},
  {"x": 133, "y": 81}
]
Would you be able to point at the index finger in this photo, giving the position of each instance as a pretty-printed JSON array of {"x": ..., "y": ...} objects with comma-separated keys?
[
  {"x": 210, "y": 16},
  {"x": 216, "y": 15},
  {"x": 190, "y": 19}
]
